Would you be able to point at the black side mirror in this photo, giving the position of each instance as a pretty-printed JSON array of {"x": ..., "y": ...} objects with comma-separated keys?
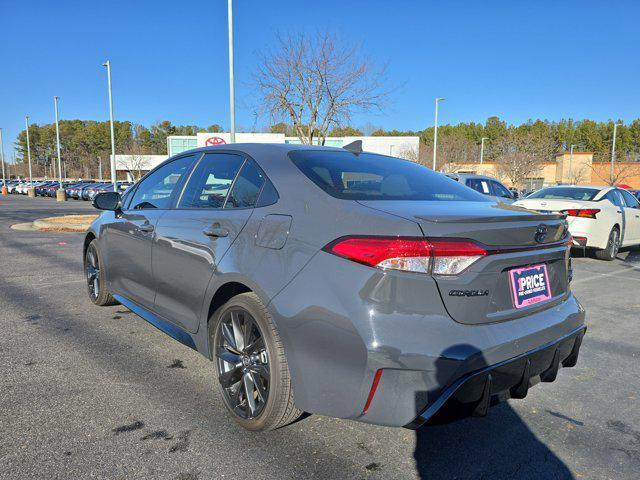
[{"x": 108, "y": 201}]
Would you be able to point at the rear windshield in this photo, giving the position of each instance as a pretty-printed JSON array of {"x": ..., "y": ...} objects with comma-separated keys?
[
  {"x": 564, "y": 193},
  {"x": 368, "y": 176}
]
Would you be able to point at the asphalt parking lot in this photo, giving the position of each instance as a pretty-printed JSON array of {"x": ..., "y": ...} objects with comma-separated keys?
[{"x": 97, "y": 392}]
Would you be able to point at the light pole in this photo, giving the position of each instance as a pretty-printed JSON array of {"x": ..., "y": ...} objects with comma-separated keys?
[
  {"x": 232, "y": 101},
  {"x": 26, "y": 121},
  {"x": 571, "y": 163},
  {"x": 113, "y": 136},
  {"x": 613, "y": 150},
  {"x": 31, "y": 191},
  {"x": 60, "y": 195},
  {"x": 4, "y": 179},
  {"x": 435, "y": 132},
  {"x": 482, "y": 151}
]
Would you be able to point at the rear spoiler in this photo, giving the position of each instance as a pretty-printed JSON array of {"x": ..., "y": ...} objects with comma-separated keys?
[{"x": 525, "y": 217}]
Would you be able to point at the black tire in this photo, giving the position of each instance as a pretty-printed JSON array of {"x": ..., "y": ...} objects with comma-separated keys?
[
  {"x": 278, "y": 408},
  {"x": 96, "y": 278},
  {"x": 613, "y": 245}
]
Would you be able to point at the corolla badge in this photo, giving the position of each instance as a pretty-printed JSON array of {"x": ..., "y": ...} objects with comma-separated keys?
[{"x": 541, "y": 233}]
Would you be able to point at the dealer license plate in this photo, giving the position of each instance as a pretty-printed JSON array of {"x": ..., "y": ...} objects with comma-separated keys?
[{"x": 529, "y": 285}]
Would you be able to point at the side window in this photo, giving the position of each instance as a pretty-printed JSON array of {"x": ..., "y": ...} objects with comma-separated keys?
[
  {"x": 155, "y": 191},
  {"x": 629, "y": 200},
  {"x": 500, "y": 190},
  {"x": 211, "y": 180},
  {"x": 246, "y": 188},
  {"x": 479, "y": 185}
]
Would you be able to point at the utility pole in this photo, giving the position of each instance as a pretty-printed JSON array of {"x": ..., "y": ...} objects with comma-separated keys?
[
  {"x": 613, "y": 150},
  {"x": 113, "y": 136},
  {"x": 100, "y": 168},
  {"x": 435, "y": 133},
  {"x": 232, "y": 100},
  {"x": 482, "y": 151}
]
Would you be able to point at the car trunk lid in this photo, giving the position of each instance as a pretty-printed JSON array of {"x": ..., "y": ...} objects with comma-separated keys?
[{"x": 515, "y": 239}]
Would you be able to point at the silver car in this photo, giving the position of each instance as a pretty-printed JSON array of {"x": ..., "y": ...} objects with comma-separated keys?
[
  {"x": 488, "y": 186},
  {"x": 339, "y": 282}
]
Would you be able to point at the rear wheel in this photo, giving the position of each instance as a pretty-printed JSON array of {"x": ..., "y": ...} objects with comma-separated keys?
[
  {"x": 96, "y": 282},
  {"x": 613, "y": 245},
  {"x": 252, "y": 370}
]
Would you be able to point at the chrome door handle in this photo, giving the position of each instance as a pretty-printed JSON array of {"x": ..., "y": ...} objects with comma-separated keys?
[
  {"x": 147, "y": 227},
  {"x": 216, "y": 232}
]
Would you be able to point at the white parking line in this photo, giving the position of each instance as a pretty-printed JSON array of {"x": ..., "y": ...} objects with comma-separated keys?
[{"x": 610, "y": 274}]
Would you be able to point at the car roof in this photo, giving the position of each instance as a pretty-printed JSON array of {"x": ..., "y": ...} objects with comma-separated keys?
[{"x": 472, "y": 176}]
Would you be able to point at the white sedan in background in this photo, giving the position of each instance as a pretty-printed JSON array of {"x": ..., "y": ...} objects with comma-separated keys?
[{"x": 604, "y": 218}]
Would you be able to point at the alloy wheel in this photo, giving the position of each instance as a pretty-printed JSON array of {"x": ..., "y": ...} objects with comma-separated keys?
[
  {"x": 243, "y": 363},
  {"x": 614, "y": 243},
  {"x": 92, "y": 269}
]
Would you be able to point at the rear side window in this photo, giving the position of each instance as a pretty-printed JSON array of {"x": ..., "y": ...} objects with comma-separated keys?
[
  {"x": 614, "y": 197},
  {"x": 246, "y": 188},
  {"x": 211, "y": 180},
  {"x": 566, "y": 193},
  {"x": 479, "y": 185},
  {"x": 368, "y": 176}
]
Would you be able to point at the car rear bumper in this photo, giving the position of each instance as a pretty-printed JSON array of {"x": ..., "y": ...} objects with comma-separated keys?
[
  {"x": 474, "y": 393},
  {"x": 338, "y": 331}
]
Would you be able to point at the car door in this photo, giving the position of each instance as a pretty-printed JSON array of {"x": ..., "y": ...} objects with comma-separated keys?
[
  {"x": 129, "y": 237},
  {"x": 632, "y": 214},
  {"x": 615, "y": 198},
  {"x": 191, "y": 239}
]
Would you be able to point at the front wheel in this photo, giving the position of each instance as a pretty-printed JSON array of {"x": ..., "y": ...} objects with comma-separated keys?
[
  {"x": 613, "y": 245},
  {"x": 95, "y": 275},
  {"x": 252, "y": 370}
]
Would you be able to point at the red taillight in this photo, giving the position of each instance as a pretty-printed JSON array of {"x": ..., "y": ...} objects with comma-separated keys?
[
  {"x": 582, "y": 212},
  {"x": 372, "y": 392},
  {"x": 447, "y": 256}
]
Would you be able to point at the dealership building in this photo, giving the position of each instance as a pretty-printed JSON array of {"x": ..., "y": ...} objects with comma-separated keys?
[
  {"x": 130, "y": 166},
  {"x": 396, "y": 146}
]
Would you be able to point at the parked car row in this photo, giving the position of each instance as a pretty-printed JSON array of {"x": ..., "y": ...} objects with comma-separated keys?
[{"x": 82, "y": 189}]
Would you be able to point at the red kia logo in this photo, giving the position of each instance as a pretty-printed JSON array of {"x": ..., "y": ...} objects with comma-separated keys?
[{"x": 214, "y": 141}]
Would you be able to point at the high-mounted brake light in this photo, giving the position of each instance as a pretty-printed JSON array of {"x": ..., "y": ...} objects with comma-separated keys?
[
  {"x": 446, "y": 256},
  {"x": 582, "y": 212}
]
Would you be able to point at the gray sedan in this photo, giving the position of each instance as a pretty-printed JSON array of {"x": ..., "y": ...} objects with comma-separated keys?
[{"x": 339, "y": 282}]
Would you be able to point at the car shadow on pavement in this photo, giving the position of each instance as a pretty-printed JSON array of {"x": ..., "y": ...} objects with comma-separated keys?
[{"x": 497, "y": 446}]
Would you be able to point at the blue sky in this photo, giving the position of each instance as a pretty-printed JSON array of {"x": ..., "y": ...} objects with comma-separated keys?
[{"x": 515, "y": 59}]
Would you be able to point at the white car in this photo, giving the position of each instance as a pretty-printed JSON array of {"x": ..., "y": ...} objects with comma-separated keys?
[{"x": 604, "y": 218}]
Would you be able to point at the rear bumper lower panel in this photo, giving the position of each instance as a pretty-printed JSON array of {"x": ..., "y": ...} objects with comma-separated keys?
[{"x": 474, "y": 393}]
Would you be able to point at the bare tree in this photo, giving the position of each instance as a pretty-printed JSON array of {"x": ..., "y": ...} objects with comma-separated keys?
[
  {"x": 136, "y": 160},
  {"x": 621, "y": 170},
  {"x": 519, "y": 157},
  {"x": 454, "y": 152},
  {"x": 316, "y": 84}
]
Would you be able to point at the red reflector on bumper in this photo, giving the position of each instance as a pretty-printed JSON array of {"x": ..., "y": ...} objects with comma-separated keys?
[{"x": 372, "y": 392}]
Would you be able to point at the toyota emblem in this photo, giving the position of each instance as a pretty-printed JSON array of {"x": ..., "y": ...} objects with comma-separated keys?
[{"x": 541, "y": 233}]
